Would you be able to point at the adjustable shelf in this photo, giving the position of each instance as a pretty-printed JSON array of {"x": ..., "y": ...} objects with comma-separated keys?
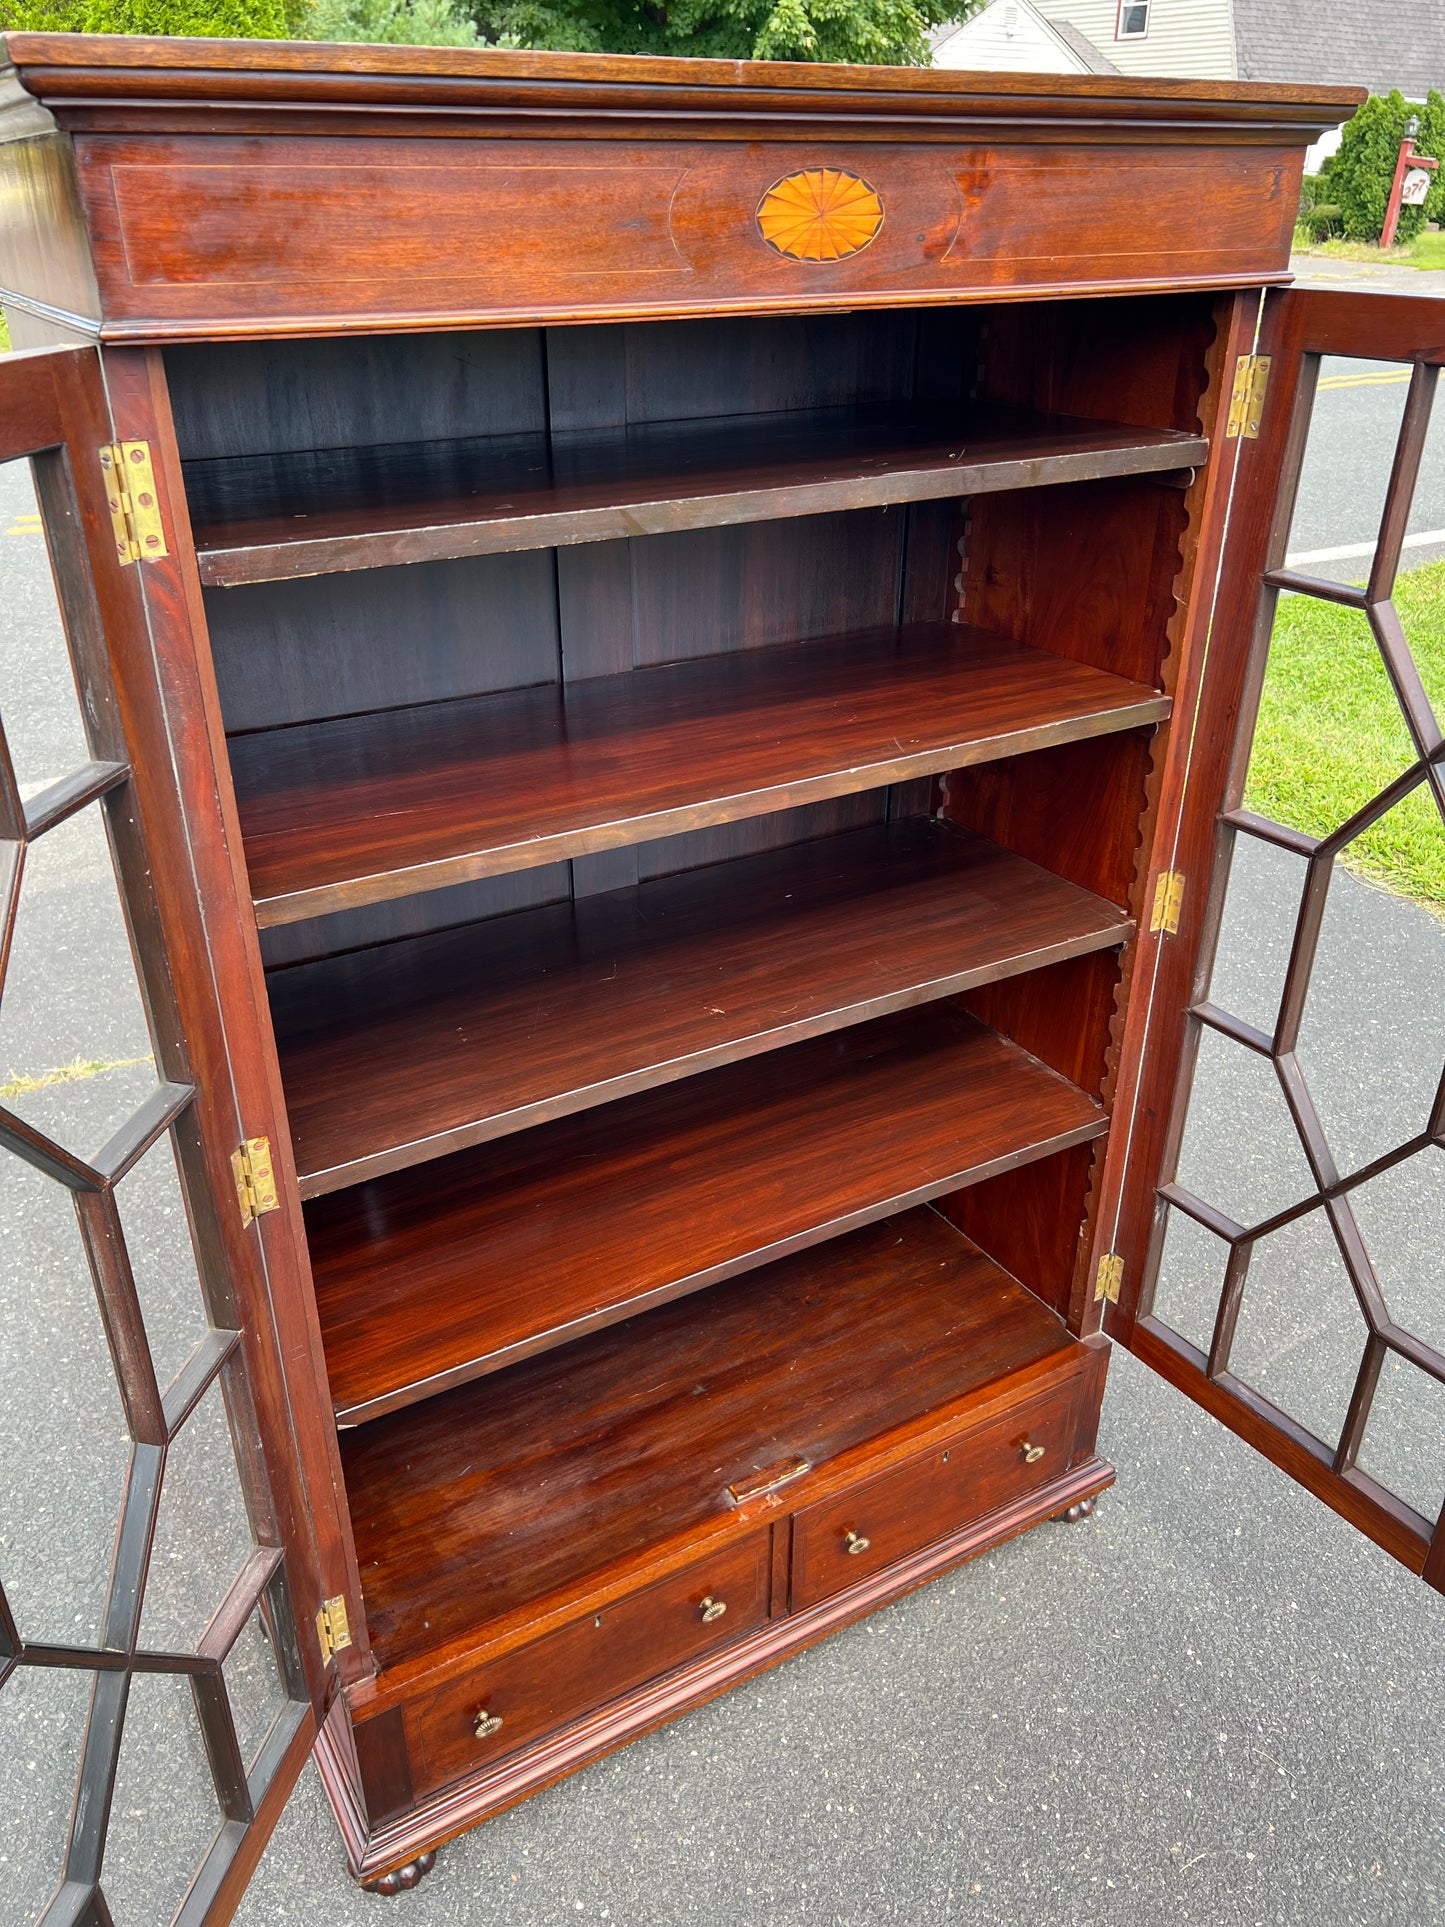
[
  {"x": 457, "y": 1267},
  {"x": 484, "y": 1030},
  {"x": 263, "y": 518},
  {"x": 480, "y": 1503},
  {"x": 359, "y": 809}
]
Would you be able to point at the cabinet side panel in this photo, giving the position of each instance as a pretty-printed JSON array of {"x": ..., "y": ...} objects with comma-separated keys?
[{"x": 44, "y": 248}]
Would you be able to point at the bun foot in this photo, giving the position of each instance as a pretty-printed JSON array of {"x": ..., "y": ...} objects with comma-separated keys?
[
  {"x": 1080, "y": 1509},
  {"x": 401, "y": 1878}
]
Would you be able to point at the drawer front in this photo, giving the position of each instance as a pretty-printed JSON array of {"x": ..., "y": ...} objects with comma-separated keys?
[
  {"x": 840, "y": 1541},
  {"x": 527, "y": 1694}
]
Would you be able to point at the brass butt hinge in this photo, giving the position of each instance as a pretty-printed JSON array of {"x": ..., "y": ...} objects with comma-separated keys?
[
  {"x": 333, "y": 1629},
  {"x": 135, "y": 511},
  {"x": 1246, "y": 400},
  {"x": 255, "y": 1179},
  {"x": 1168, "y": 902},
  {"x": 1110, "y": 1278}
]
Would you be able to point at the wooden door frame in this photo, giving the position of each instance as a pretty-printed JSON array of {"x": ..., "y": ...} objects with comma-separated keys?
[
  {"x": 1297, "y": 327},
  {"x": 54, "y": 410}
]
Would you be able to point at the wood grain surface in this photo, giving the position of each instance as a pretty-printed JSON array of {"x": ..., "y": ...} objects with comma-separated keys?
[
  {"x": 454, "y": 1268},
  {"x": 360, "y": 809},
  {"x": 469, "y": 1506},
  {"x": 463, "y": 1265},
  {"x": 264, "y": 517},
  {"x": 597, "y": 1658},
  {"x": 842, "y": 1540},
  {"x": 477, "y": 1032}
]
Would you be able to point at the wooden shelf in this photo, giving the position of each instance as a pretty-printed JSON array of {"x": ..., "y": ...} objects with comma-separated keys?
[
  {"x": 457, "y": 1267},
  {"x": 364, "y": 808},
  {"x": 476, "y": 1032},
  {"x": 477, "y": 1504},
  {"x": 262, "y": 518}
]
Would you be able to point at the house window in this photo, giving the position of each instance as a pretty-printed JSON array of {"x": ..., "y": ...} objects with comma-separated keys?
[{"x": 1133, "y": 21}]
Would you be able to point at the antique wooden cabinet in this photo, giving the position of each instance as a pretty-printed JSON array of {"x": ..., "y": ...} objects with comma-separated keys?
[{"x": 667, "y": 692}]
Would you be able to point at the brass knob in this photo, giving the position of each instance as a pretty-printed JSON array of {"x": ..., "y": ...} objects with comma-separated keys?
[
  {"x": 487, "y": 1724},
  {"x": 1032, "y": 1453},
  {"x": 712, "y": 1609},
  {"x": 855, "y": 1542}
]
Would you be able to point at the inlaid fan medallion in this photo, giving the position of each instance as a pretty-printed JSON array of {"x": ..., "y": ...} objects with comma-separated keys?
[{"x": 820, "y": 214}]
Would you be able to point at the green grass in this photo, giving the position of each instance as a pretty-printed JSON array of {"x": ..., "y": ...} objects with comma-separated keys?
[
  {"x": 1330, "y": 732},
  {"x": 4, "y": 334},
  {"x": 1425, "y": 251}
]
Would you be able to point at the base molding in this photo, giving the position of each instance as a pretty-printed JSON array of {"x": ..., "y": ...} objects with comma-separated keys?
[{"x": 402, "y": 1842}]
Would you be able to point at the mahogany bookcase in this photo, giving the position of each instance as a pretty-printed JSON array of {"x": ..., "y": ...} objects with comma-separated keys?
[{"x": 668, "y": 678}]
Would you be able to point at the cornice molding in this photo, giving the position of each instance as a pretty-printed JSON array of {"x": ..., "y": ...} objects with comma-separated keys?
[{"x": 138, "y": 84}]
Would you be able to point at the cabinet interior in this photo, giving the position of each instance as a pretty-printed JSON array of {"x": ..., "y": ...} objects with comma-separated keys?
[{"x": 693, "y": 953}]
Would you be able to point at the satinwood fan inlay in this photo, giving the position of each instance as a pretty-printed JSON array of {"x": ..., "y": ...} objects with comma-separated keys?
[{"x": 821, "y": 214}]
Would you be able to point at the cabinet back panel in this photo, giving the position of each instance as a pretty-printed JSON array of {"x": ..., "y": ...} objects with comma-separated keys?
[
  {"x": 708, "y": 591},
  {"x": 641, "y": 862},
  {"x": 286, "y": 943},
  {"x": 336, "y": 645},
  {"x": 685, "y": 370},
  {"x": 273, "y": 397}
]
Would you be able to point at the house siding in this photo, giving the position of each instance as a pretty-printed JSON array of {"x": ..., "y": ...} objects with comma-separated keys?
[
  {"x": 1192, "y": 39},
  {"x": 1006, "y": 38}
]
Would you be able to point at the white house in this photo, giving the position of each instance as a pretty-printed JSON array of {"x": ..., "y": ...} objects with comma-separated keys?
[
  {"x": 1014, "y": 37},
  {"x": 1332, "y": 40}
]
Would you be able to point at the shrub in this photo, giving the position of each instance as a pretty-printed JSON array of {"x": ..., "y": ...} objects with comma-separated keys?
[
  {"x": 421, "y": 23},
  {"x": 1313, "y": 189},
  {"x": 1362, "y": 170},
  {"x": 1323, "y": 220},
  {"x": 222, "y": 19}
]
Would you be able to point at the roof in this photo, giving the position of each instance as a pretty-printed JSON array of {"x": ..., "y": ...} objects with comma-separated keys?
[
  {"x": 1094, "y": 61},
  {"x": 1013, "y": 35},
  {"x": 1340, "y": 40}
]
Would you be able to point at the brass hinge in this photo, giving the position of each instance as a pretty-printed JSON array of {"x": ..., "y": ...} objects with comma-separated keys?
[
  {"x": 1110, "y": 1278},
  {"x": 255, "y": 1179},
  {"x": 1246, "y": 401},
  {"x": 130, "y": 490},
  {"x": 1168, "y": 902},
  {"x": 333, "y": 1629}
]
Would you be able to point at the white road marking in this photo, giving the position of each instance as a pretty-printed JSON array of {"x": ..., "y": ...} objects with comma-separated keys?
[{"x": 1425, "y": 539}]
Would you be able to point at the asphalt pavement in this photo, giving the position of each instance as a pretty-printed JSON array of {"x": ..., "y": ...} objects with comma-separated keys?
[{"x": 1212, "y": 1703}]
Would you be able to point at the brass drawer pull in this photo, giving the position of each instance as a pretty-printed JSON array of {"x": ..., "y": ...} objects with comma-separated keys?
[
  {"x": 1032, "y": 1453},
  {"x": 855, "y": 1542},
  {"x": 712, "y": 1609},
  {"x": 487, "y": 1724}
]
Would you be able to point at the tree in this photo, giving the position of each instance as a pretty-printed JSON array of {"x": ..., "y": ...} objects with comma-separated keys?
[
  {"x": 1362, "y": 171},
  {"x": 228, "y": 19},
  {"x": 878, "y": 32}
]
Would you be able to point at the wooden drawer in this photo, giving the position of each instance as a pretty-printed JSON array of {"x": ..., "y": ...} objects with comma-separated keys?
[
  {"x": 538, "y": 1688},
  {"x": 842, "y": 1540}
]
